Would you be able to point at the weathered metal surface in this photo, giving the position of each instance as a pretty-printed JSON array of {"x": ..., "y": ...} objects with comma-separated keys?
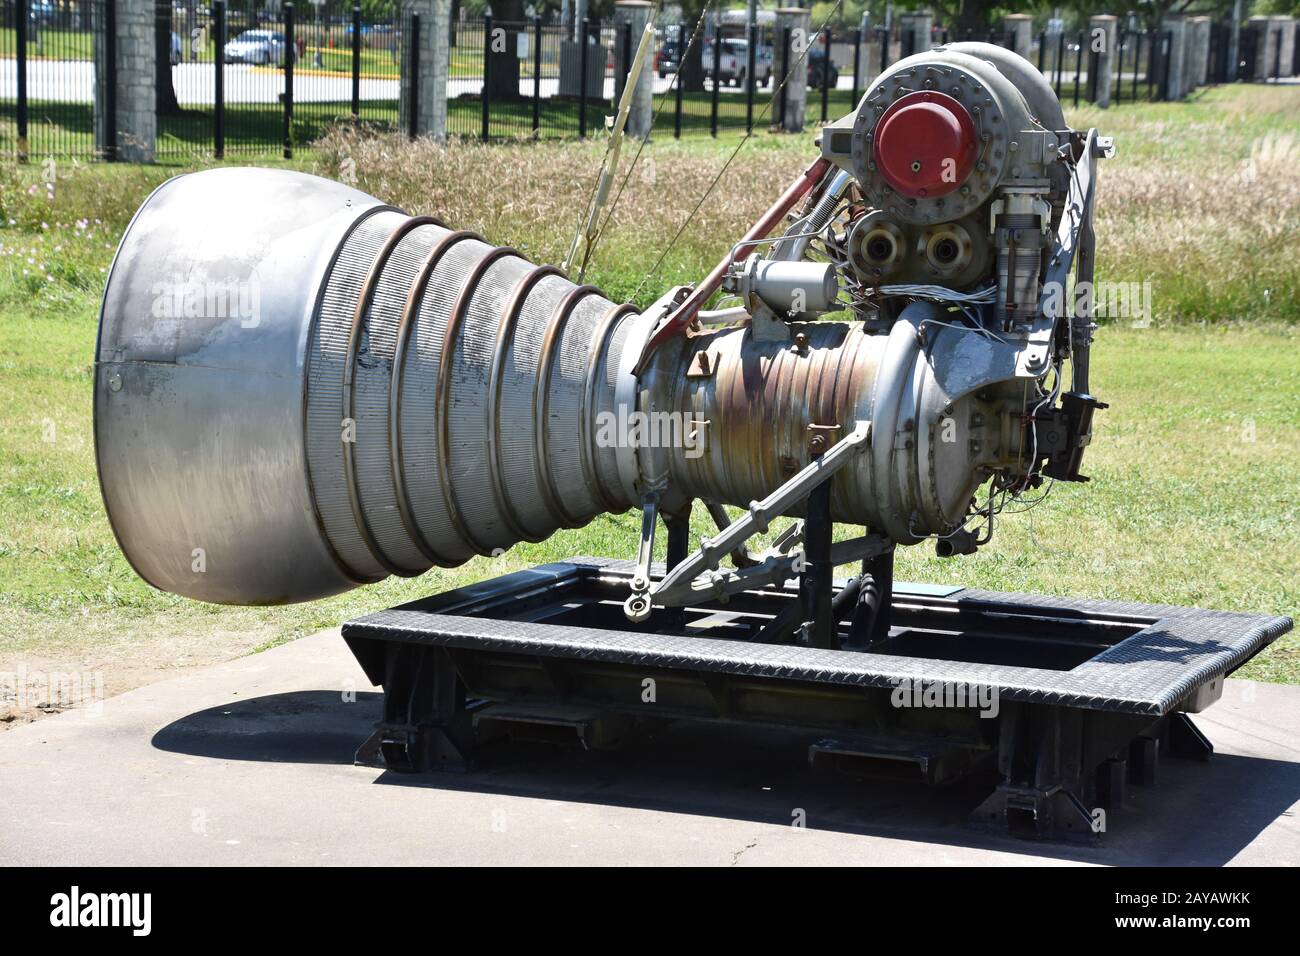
[{"x": 403, "y": 396}]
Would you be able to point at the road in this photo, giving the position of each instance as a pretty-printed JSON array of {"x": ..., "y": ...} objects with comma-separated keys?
[
  {"x": 73, "y": 81},
  {"x": 249, "y": 762}
]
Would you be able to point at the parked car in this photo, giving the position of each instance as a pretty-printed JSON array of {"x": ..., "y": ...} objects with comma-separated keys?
[
  {"x": 42, "y": 14},
  {"x": 257, "y": 46},
  {"x": 667, "y": 57},
  {"x": 818, "y": 67},
  {"x": 733, "y": 62}
]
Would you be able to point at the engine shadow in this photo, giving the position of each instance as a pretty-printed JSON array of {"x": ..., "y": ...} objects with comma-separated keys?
[{"x": 1195, "y": 815}]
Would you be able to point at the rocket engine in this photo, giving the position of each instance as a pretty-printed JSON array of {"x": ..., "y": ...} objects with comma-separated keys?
[{"x": 299, "y": 389}]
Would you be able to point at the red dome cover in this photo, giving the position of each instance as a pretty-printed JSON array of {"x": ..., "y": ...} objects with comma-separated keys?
[{"x": 925, "y": 144}]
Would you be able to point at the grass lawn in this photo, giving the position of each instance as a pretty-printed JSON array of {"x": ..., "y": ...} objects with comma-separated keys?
[
  {"x": 65, "y": 130},
  {"x": 48, "y": 42},
  {"x": 1194, "y": 497}
]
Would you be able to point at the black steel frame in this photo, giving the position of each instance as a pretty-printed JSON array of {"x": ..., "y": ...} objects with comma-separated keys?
[{"x": 1091, "y": 693}]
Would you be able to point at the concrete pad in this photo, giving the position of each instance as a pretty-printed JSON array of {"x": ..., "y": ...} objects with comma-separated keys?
[{"x": 249, "y": 762}]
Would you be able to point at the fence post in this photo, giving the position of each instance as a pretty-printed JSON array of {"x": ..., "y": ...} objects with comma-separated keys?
[
  {"x": 1152, "y": 48},
  {"x": 1119, "y": 73},
  {"x": 624, "y": 61},
  {"x": 1042, "y": 49},
  {"x": 1232, "y": 66},
  {"x": 20, "y": 35},
  {"x": 356, "y": 62},
  {"x": 884, "y": 49},
  {"x": 781, "y": 77},
  {"x": 422, "y": 91},
  {"x": 110, "y": 79},
  {"x": 136, "y": 82},
  {"x": 1020, "y": 28},
  {"x": 1060, "y": 61},
  {"x": 1199, "y": 34},
  {"x": 634, "y": 15},
  {"x": 486, "y": 95},
  {"x": 584, "y": 35},
  {"x": 1078, "y": 65},
  {"x": 537, "y": 76},
  {"x": 857, "y": 68},
  {"x": 290, "y": 53},
  {"x": 1132, "y": 90},
  {"x": 717, "y": 77},
  {"x": 917, "y": 32},
  {"x": 1175, "y": 65},
  {"x": 751, "y": 64},
  {"x": 1166, "y": 56},
  {"x": 1093, "y": 88},
  {"x": 1257, "y": 66},
  {"x": 826, "y": 72},
  {"x": 219, "y": 80},
  {"x": 1103, "y": 58},
  {"x": 677, "y": 80},
  {"x": 794, "y": 99},
  {"x": 413, "y": 115}
]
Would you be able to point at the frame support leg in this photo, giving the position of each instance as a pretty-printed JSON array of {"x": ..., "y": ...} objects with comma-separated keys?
[
  {"x": 426, "y": 724},
  {"x": 1040, "y": 753},
  {"x": 815, "y": 583},
  {"x": 1186, "y": 740},
  {"x": 679, "y": 547}
]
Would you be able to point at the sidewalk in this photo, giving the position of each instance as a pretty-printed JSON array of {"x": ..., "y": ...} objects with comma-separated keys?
[{"x": 249, "y": 762}]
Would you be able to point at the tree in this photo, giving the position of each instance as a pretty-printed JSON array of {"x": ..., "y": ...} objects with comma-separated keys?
[
  {"x": 691, "y": 66},
  {"x": 507, "y": 15}
]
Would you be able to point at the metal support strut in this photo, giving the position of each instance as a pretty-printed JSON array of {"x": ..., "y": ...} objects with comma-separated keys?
[
  {"x": 680, "y": 585},
  {"x": 815, "y": 577}
]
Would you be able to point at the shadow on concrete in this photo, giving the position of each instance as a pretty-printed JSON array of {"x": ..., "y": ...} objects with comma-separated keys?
[
  {"x": 315, "y": 726},
  {"x": 1196, "y": 814}
]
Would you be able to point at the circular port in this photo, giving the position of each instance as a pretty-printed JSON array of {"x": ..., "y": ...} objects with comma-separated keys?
[
  {"x": 877, "y": 247},
  {"x": 880, "y": 247},
  {"x": 946, "y": 249}
]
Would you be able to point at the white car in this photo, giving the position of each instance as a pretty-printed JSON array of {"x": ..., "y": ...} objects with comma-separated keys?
[
  {"x": 256, "y": 46},
  {"x": 733, "y": 62}
]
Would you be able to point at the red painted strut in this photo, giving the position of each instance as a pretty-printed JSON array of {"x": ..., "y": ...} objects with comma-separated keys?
[{"x": 687, "y": 311}]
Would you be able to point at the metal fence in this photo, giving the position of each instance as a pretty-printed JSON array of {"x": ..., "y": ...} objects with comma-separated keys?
[
  {"x": 505, "y": 79},
  {"x": 244, "y": 80},
  {"x": 48, "y": 76}
]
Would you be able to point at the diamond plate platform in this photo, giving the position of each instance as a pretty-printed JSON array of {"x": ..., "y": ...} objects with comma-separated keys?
[{"x": 1067, "y": 700}]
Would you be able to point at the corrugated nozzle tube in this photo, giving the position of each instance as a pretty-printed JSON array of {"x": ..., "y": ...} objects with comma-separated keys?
[{"x": 446, "y": 393}]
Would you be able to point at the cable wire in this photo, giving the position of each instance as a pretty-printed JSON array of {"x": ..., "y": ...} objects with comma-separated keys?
[{"x": 749, "y": 133}]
